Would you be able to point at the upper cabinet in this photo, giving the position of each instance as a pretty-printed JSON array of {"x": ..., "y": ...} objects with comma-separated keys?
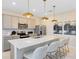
[
  {"x": 22, "y": 20},
  {"x": 11, "y": 22},
  {"x": 31, "y": 23},
  {"x": 14, "y": 22},
  {"x": 6, "y": 21}
]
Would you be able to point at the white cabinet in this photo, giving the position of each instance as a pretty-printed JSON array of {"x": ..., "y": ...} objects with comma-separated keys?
[
  {"x": 6, "y": 44},
  {"x": 14, "y": 22},
  {"x": 31, "y": 23},
  {"x": 10, "y": 21},
  {"x": 23, "y": 20},
  {"x": 6, "y": 21}
]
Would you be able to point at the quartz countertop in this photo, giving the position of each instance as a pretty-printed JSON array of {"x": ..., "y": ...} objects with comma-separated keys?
[{"x": 26, "y": 42}]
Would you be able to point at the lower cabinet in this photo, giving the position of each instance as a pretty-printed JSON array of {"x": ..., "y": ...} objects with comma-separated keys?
[{"x": 6, "y": 44}]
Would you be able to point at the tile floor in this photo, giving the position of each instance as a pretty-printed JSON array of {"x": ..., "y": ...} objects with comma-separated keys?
[{"x": 70, "y": 55}]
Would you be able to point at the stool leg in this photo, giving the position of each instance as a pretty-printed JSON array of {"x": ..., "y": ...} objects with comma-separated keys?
[{"x": 67, "y": 48}]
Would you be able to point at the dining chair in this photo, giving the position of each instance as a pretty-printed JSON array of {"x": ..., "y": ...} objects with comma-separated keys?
[{"x": 39, "y": 53}]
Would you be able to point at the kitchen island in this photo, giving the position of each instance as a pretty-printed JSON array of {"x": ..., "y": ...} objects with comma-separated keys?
[{"x": 20, "y": 46}]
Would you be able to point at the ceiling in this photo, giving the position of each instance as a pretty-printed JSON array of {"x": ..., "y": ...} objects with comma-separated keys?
[{"x": 36, "y": 6}]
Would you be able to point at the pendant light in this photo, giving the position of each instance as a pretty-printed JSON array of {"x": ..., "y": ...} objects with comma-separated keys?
[
  {"x": 54, "y": 19},
  {"x": 44, "y": 17},
  {"x": 28, "y": 14}
]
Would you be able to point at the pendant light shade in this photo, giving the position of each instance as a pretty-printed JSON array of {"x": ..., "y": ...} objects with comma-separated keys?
[
  {"x": 54, "y": 20},
  {"x": 44, "y": 17},
  {"x": 28, "y": 14}
]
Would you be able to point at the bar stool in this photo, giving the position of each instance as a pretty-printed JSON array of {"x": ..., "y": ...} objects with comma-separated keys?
[
  {"x": 52, "y": 50},
  {"x": 63, "y": 44},
  {"x": 39, "y": 53},
  {"x": 66, "y": 42}
]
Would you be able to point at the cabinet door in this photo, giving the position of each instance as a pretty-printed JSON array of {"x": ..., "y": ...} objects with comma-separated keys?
[
  {"x": 31, "y": 23},
  {"x": 22, "y": 20},
  {"x": 6, "y": 21},
  {"x": 6, "y": 44},
  {"x": 3, "y": 21},
  {"x": 14, "y": 22}
]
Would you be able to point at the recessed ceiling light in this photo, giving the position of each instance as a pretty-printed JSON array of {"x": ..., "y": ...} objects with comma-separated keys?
[{"x": 13, "y": 3}]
